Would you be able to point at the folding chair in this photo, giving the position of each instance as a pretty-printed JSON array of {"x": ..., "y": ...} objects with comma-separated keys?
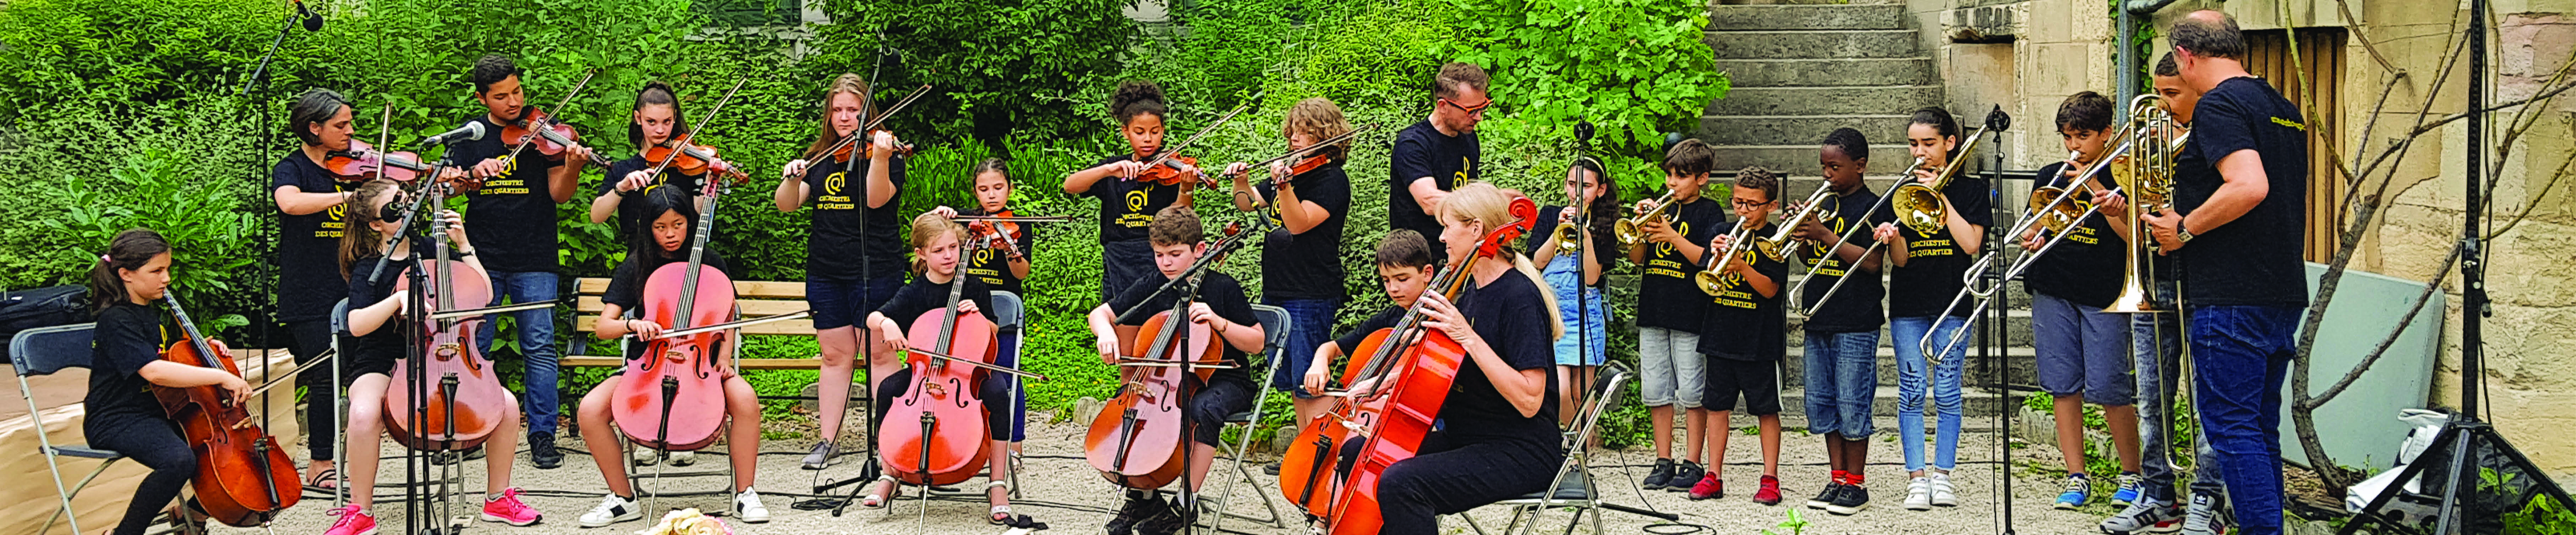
[
  {"x": 1274, "y": 336},
  {"x": 339, "y": 435},
  {"x": 1573, "y": 485},
  {"x": 43, "y": 351}
]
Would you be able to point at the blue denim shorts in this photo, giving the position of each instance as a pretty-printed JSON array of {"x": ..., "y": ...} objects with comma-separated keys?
[{"x": 2083, "y": 350}]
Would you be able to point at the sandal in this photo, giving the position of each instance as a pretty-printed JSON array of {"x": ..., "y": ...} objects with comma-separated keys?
[
  {"x": 873, "y": 500},
  {"x": 1001, "y": 514},
  {"x": 326, "y": 480}
]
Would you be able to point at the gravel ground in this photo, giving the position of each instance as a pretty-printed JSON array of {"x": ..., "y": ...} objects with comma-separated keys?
[{"x": 1060, "y": 489}]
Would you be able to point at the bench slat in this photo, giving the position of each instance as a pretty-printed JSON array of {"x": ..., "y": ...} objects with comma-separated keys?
[
  {"x": 794, "y": 327},
  {"x": 751, "y": 308},
  {"x": 741, "y": 289},
  {"x": 747, "y": 364}
]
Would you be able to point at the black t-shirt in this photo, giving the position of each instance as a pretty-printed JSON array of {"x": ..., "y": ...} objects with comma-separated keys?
[
  {"x": 920, "y": 296},
  {"x": 512, "y": 218},
  {"x": 1422, "y": 151},
  {"x": 1741, "y": 324},
  {"x": 1665, "y": 297},
  {"x": 128, "y": 336},
  {"x": 1503, "y": 313},
  {"x": 993, "y": 266},
  {"x": 1930, "y": 276},
  {"x": 630, "y": 209},
  {"x": 626, "y": 283},
  {"x": 1308, "y": 266},
  {"x": 308, "y": 246},
  {"x": 2084, "y": 268},
  {"x": 1604, "y": 247},
  {"x": 2254, "y": 260},
  {"x": 386, "y": 343},
  {"x": 1856, "y": 307},
  {"x": 1385, "y": 319},
  {"x": 1221, "y": 293},
  {"x": 836, "y": 250},
  {"x": 1128, "y": 206}
]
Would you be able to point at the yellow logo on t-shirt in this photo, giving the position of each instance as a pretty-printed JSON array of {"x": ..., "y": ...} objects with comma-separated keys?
[
  {"x": 1136, "y": 200},
  {"x": 2289, "y": 123},
  {"x": 1666, "y": 249},
  {"x": 832, "y": 184}
]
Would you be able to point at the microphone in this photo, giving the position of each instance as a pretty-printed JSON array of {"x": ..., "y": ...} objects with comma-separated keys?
[
  {"x": 470, "y": 132},
  {"x": 312, "y": 21}
]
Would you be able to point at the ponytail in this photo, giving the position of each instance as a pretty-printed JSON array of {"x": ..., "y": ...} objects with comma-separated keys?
[{"x": 129, "y": 251}]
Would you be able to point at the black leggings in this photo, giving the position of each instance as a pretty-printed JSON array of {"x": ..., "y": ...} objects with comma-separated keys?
[
  {"x": 1451, "y": 476},
  {"x": 993, "y": 387},
  {"x": 155, "y": 442},
  {"x": 322, "y": 398}
]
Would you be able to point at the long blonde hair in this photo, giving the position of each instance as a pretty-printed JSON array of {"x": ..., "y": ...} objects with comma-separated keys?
[
  {"x": 1481, "y": 202},
  {"x": 849, "y": 83}
]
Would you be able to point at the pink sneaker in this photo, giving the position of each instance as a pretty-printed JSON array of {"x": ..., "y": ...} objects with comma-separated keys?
[
  {"x": 508, "y": 509},
  {"x": 352, "y": 522}
]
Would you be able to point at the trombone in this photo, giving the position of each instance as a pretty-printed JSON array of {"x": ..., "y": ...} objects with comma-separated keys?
[
  {"x": 1923, "y": 204},
  {"x": 1632, "y": 231}
]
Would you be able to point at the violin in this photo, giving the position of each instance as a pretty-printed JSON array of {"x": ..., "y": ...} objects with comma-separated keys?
[
  {"x": 464, "y": 401},
  {"x": 935, "y": 434},
  {"x": 672, "y": 398},
  {"x": 362, "y": 162},
  {"x": 695, "y": 159},
  {"x": 243, "y": 478},
  {"x": 1413, "y": 367},
  {"x": 550, "y": 137},
  {"x": 1161, "y": 172},
  {"x": 1136, "y": 441},
  {"x": 996, "y": 235},
  {"x": 865, "y": 150}
]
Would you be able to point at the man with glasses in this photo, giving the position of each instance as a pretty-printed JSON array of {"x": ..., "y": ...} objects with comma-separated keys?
[{"x": 1439, "y": 153}]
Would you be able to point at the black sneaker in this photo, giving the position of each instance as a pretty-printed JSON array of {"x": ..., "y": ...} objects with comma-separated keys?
[
  {"x": 1851, "y": 501},
  {"x": 1833, "y": 491},
  {"x": 1662, "y": 474},
  {"x": 542, "y": 452},
  {"x": 1687, "y": 474},
  {"x": 1137, "y": 508},
  {"x": 1166, "y": 519}
]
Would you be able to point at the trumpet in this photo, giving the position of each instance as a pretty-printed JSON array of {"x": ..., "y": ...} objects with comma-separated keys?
[
  {"x": 1632, "y": 231},
  {"x": 1921, "y": 204},
  {"x": 1569, "y": 235},
  {"x": 1739, "y": 242}
]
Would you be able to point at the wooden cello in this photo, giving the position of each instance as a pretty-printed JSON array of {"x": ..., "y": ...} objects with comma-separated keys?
[
  {"x": 1136, "y": 441},
  {"x": 935, "y": 434},
  {"x": 243, "y": 479},
  {"x": 1412, "y": 368},
  {"x": 462, "y": 403},
  {"x": 672, "y": 397}
]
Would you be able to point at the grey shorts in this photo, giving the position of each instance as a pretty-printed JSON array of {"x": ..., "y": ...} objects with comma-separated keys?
[
  {"x": 1671, "y": 370},
  {"x": 2082, "y": 350}
]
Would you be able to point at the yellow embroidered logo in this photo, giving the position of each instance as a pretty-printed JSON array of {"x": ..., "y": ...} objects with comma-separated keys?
[
  {"x": 832, "y": 184},
  {"x": 1136, "y": 201},
  {"x": 1666, "y": 249},
  {"x": 2289, "y": 123},
  {"x": 339, "y": 212},
  {"x": 983, "y": 255}
]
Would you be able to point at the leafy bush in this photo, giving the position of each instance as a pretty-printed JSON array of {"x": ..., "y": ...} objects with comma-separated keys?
[
  {"x": 996, "y": 67},
  {"x": 1636, "y": 68}
]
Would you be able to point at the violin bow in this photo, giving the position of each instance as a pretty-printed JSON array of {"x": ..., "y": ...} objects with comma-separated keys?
[
  {"x": 694, "y": 127},
  {"x": 1203, "y": 132},
  {"x": 1311, "y": 149},
  {"x": 567, "y": 100}
]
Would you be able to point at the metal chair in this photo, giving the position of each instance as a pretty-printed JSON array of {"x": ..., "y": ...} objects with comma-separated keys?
[
  {"x": 1274, "y": 337},
  {"x": 43, "y": 351},
  {"x": 1573, "y": 485},
  {"x": 340, "y": 435}
]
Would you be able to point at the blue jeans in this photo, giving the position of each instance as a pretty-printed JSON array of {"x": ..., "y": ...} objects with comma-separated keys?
[
  {"x": 536, "y": 342},
  {"x": 2243, "y": 354},
  {"x": 1842, "y": 382},
  {"x": 1914, "y": 376},
  {"x": 2159, "y": 353},
  {"x": 1310, "y": 324}
]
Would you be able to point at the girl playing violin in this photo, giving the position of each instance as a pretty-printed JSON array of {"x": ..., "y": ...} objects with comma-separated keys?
[
  {"x": 1129, "y": 205},
  {"x": 376, "y": 309},
  {"x": 308, "y": 237},
  {"x": 853, "y": 263},
  {"x": 1499, "y": 438},
  {"x": 657, "y": 118},
  {"x": 1302, "y": 258},
  {"x": 1002, "y": 270},
  {"x": 666, "y": 240},
  {"x": 126, "y": 361},
  {"x": 936, "y": 244}
]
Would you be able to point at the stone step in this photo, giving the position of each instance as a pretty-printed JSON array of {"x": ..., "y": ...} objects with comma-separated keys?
[
  {"x": 1812, "y": 44},
  {"x": 1885, "y": 156},
  {"x": 1814, "y": 72},
  {"x": 1831, "y": 100},
  {"x": 1882, "y": 130},
  {"x": 1806, "y": 17}
]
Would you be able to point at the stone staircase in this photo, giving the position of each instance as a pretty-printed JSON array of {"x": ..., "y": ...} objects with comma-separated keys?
[{"x": 1801, "y": 70}]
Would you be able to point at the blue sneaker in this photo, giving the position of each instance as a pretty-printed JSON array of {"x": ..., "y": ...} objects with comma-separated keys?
[
  {"x": 2079, "y": 489},
  {"x": 2131, "y": 486}
]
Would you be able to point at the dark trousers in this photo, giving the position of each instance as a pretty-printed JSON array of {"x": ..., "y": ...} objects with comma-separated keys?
[
  {"x": 1222, "y": 397},
  {"x": 154, "y": 442},
  {"x": 1451, "y": 476},
  {"x": 311, "y": 339}
]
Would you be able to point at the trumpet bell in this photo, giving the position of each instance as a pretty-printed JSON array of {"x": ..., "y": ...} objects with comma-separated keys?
[
  {"x": 1629, "y": 232},
  {"x": 1709, "y": 282},
  {"x": 1918, "y": 207},
  {"x": 1567, "y": 236}
]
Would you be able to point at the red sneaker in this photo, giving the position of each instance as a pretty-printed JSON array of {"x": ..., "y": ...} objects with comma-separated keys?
[
  {"x": 1770, "y": 492},
  {"x": 508, "y": 509},
  {"x": 352, "y": 522},
  {"x": 1709, "y": 487}
]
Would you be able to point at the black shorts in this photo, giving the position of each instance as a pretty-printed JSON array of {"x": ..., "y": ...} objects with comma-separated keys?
[{"x": 1758, "y": 381}]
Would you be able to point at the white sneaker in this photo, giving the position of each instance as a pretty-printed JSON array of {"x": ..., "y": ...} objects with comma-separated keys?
[
  {"x": 612, "y": 509},
  {"x": 746, "y": 506},
  {"x": 1942, "y": 494},
  {"x": 646, "y": 457},
  {"x": 684, "y": 458},
  {"x": 1918, "y": 494}
]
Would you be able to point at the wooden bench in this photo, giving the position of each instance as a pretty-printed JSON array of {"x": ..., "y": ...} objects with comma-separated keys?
[{"x": 757, "y": 299}]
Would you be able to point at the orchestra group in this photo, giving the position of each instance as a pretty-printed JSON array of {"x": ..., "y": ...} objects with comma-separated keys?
[{"x": 1451, "y": 398}]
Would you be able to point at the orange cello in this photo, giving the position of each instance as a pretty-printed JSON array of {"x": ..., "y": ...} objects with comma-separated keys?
[
  {"x": 243, "y": 479},
  {"x": 1412, "y": 368},
  {"x": 672, "y": 397},
  {"x": 459, "y": 402},
  {"x": 1136, "y": 440},
  {"x": 935, "y": 434}
]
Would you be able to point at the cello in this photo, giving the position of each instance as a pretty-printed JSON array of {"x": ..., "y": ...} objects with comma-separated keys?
[
  {"x": 1136, "y": 441},
  {"x": 465, "y": 402},
  {"x": 1412, "y": 367},
  {"x": 672, "y": 397},
  {"x": 243, "y": 479},
  {"x": 935, "y": 434}
]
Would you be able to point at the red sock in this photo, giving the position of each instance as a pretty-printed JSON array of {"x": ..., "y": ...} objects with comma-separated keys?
[
  {"x": 1841, "y": 477},
  {"x": 1853, "y": 478}
]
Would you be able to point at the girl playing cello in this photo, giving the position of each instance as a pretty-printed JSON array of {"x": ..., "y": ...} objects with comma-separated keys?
[
  {"x": 936, "y": 249},
  {"x": 123, "y": 416}
]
